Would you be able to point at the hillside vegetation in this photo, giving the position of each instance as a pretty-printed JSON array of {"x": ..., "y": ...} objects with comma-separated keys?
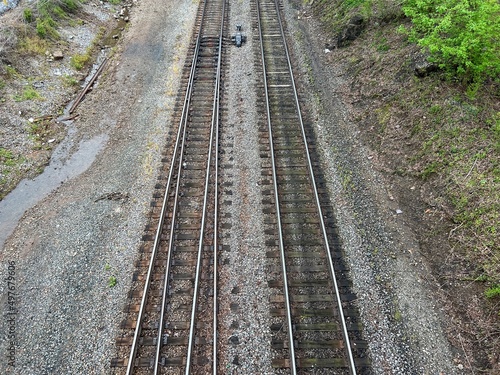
[{"x": 423, "y": 77}]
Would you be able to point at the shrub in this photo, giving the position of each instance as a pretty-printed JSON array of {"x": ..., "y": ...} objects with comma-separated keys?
[
  {"x": 462, "y": 36},
  {"x": 28, "y": 15},
  {"x": 45, "y": 28},
  {"x": 79, "y": 61}
]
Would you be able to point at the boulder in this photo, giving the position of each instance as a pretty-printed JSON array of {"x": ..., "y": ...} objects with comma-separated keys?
[{"x": 351, "y": 31}]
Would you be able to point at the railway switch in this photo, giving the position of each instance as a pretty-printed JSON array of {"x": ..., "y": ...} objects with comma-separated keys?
[{"x": 238, "y": 39}]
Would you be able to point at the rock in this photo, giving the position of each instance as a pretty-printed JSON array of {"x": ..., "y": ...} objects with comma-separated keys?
[
  {"x": 422, "y": 67},
  {"x": 353, "y": 29},
  {"x": 234, "y": 340},
  {"x": 58, "y": 55}
]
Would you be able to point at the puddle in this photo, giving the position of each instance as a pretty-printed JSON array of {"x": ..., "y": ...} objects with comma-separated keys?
[
  {"x": 62, "y": 167},
  {"x": 116, "y": 33}
]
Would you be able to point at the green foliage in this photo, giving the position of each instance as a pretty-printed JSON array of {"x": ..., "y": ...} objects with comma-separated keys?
[
  {"x": 461, "y": 35},
  {"x": 69, "y": 81},
  {"x": 112, "y": 281},
  {"x": 78, "y": 61},
  {"x": 6, "y": 157},
  {"x": 29, "y": 93},
  {"x": 28, "y": 15},
  {"x": 45, "y": 28},
  {"x": 2, "y": 84},
  {"x": 493, "y": 291}
]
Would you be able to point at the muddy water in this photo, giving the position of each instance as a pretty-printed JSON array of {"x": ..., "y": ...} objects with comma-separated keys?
[{"x": 62, "y": 167}]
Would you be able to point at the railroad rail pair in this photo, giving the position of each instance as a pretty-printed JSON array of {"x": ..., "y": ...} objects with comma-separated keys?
[{"x": 176, "y": 319}]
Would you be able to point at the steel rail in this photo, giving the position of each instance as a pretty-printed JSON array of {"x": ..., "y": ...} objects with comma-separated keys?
[
  {"x": 214, "y": 128},
  {"x": 172, "y": 225},
  {"x": 318, "y": 204},
  {"x": 216, "y": 200},
  {"x": 133, "y": 350},
  {"x": 288, "y": 308}
]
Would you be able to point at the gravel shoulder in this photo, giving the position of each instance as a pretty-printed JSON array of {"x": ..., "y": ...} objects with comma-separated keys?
[{"x": 87, "y": 231}]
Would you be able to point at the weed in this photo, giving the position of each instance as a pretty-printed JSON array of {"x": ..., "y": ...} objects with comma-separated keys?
[
  {"x": 34, "y": 45},
  {"x": 7, "y": 158},
  {"x": 115, "y": 2},
  {"x": 45, "y": 28},
  {"x": 383, "y": 45},
  {"x": 482, "y": 278},
  {"x": 78, "y": 61},
  {"x": 493, "y": 291},
  {"x": 107, "y": 267},
  {"x": 69, "y": 81},
  {"x": 28, "y": 15},
  {"x": 2, "y": 84},
  {"x": 11, "y": 71},
  {"x": 112, "y": 281},
  {"x": 29, "y": 93},
  {"x": 397, "y": 316}
]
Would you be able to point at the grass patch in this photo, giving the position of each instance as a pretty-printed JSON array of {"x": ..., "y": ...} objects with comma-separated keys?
[
  {"x": 28, "y": 93},
  {"x": 46, "y": 28},
  {"x": 493, "y": 291},
  {"x": 7, "y": 158},
  {"x": 78, "y": 61},
  {"x": 43, "y": 16},
  {"x": 336, "y": 14},
  {"x": 34, "y": 45},
  {"x": 69, "y": 81},
  {"x": 9, "y": 164},
  {"x": 459, "y": 154},
  {"x": 11, "y": 72}
]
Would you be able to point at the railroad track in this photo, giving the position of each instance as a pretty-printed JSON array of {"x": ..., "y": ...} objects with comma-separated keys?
[
  {"x": 314, "y": 331},
  {"x": 177, "y": 301},
  {"x": 172, "y": 320}
]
